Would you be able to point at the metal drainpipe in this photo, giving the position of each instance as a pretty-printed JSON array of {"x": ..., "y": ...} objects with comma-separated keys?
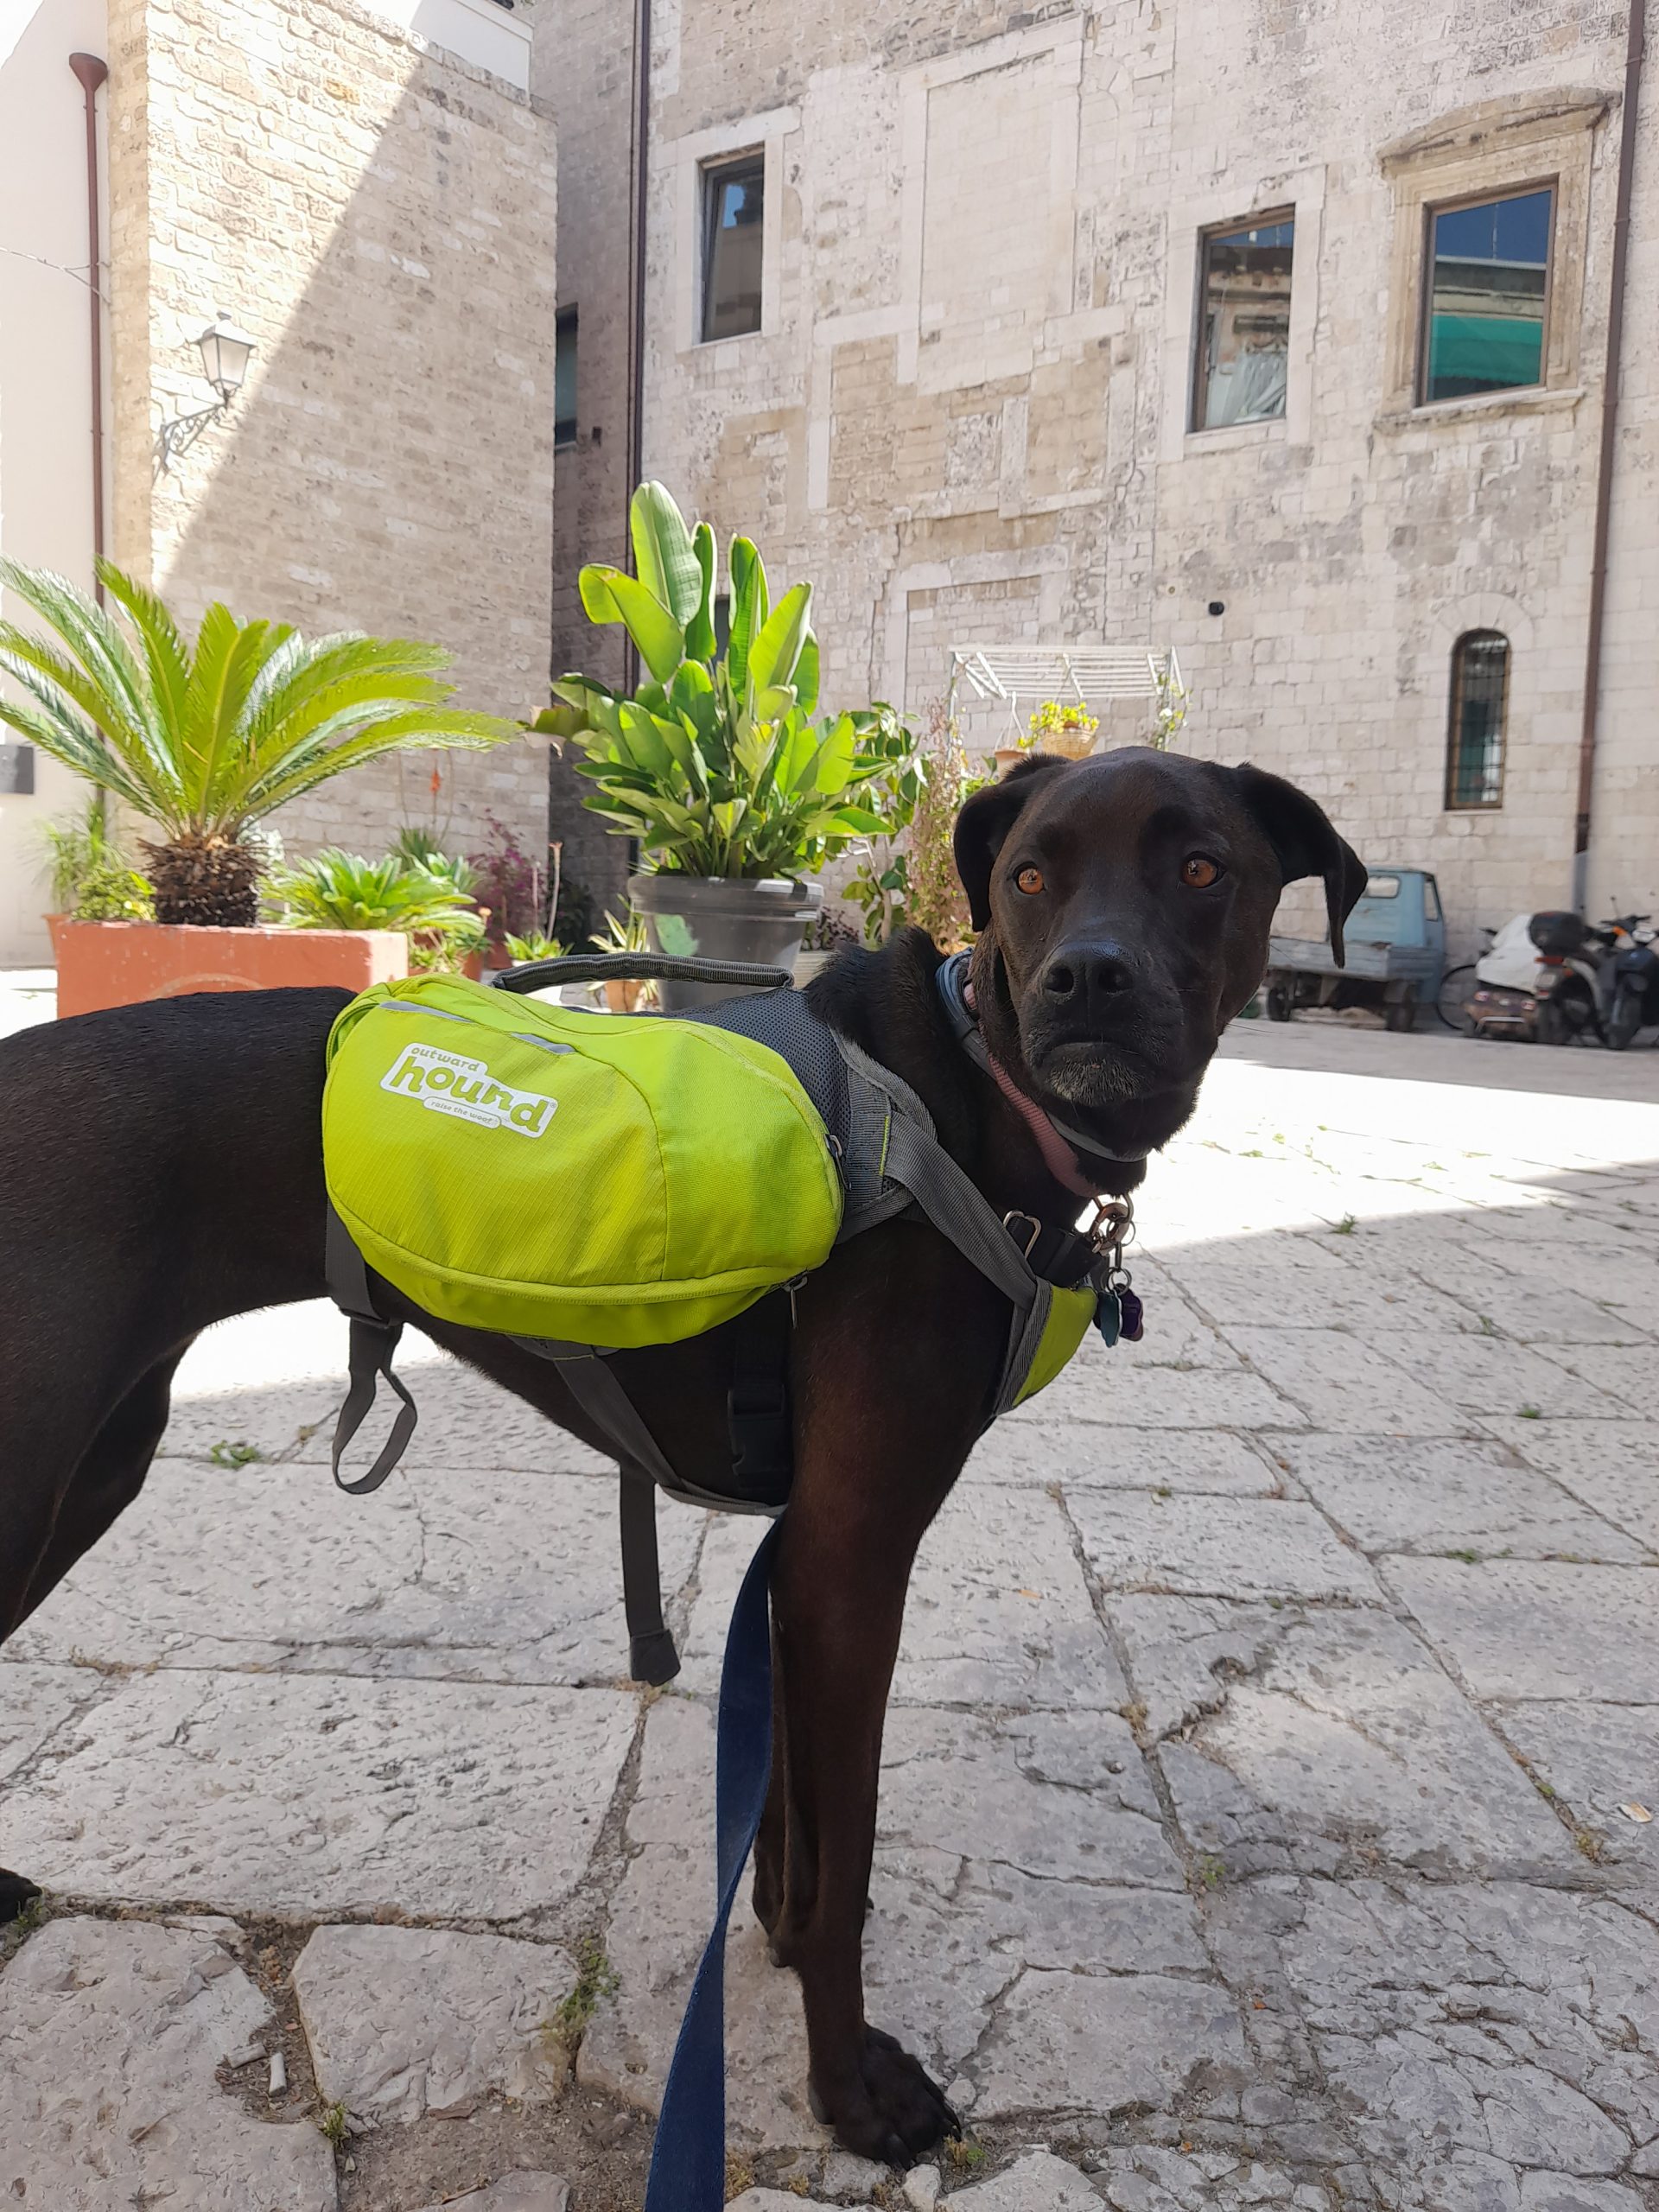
[
  {"x": 637, "y": 310},
  {"x": 1633, "y": 57},
  {"x": 91, "y": 73}
]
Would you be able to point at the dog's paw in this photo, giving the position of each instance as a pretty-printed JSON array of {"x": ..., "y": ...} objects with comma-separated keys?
[
  {"x": 887, "y": 2106},
  {"x": 16, "y": 1894}
]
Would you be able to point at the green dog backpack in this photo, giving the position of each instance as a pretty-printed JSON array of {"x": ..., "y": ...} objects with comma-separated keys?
[
  {"x": 600, "y": 1180},
  {"x": 586, "y": 1183}
]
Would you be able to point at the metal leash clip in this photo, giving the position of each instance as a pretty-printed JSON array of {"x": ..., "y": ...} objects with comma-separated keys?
[{"x": 1118, "y": 1311}]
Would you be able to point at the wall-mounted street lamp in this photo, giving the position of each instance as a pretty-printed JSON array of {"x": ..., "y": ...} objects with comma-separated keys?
[{"x": 226, "y": 352}]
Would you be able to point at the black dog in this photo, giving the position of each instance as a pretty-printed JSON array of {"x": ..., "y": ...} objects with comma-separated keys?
[{"x": 160, "y": 1169}]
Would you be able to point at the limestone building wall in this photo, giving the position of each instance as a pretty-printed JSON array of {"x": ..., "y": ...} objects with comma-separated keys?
[
  {"x": 584, "y": 75},
  {"x": 965, "y": 415},
  {"x": 380, "y": 214}
]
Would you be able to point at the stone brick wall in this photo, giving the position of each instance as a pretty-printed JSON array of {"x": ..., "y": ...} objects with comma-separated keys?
[
  {"x": 966, "y": 412},
  {"x": 381, "y": 217}
]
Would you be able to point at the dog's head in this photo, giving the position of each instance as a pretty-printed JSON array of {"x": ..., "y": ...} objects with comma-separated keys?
[{"x": 1123, "y": 904}]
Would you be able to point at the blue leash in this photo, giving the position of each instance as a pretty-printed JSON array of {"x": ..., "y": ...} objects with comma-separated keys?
[{"x": 687, "y": 2164}]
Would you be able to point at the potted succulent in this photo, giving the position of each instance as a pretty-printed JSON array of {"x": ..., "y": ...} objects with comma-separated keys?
[
  {"x": 716, "y": 764},
  {"x": 202, "y": 743}
]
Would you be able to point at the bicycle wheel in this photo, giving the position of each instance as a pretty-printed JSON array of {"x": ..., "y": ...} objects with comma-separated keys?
[{"x": 1456, "y": 991}]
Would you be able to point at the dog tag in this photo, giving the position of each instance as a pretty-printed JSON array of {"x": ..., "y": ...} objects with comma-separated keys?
[
  {"x": 1133, "y": 1317},
  {"x": 1109, "y": 1316}
]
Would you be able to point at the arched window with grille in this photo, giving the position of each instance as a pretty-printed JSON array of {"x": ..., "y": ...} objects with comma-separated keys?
[{"x": 1479, "y": 712}]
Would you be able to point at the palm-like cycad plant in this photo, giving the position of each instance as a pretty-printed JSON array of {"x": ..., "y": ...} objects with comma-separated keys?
[{"x": 204, "y": 742}]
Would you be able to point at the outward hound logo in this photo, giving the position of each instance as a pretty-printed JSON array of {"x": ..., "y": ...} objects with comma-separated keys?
[{"x": 449, "y": 1084}]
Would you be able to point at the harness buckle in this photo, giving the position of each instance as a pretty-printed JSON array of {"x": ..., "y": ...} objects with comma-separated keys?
[{"x": 1030, "y": 1245}]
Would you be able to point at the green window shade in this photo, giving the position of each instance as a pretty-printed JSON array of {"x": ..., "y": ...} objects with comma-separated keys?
[{"x": 1489, "y": 281}]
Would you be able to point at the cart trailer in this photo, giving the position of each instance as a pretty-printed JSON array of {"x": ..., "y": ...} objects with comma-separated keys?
[{"x": 1396, "y": 940}]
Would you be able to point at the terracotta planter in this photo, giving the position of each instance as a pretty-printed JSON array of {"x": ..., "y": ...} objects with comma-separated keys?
[{"x": 119, "y": 963}]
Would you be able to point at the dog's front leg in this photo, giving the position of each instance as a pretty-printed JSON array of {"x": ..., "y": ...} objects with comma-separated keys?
[
  {"x": 839, "y": 1606},
  {"x": 883, "y": 1428}
]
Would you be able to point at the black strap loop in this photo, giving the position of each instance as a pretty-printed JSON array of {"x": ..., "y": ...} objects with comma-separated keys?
[
  {"x": 652, "y": 1655},
  {"x": 373, "y": 1344}
]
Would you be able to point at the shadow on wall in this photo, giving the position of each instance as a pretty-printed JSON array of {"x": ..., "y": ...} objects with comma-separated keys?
[{"x": 382, "y": 218}]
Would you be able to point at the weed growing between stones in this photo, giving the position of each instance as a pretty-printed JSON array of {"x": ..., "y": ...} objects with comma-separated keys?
[
  {"x": 596, "y": 1978},
  {"x": 239, "y": 1454},
  {"x": 332, "y": 2122}
]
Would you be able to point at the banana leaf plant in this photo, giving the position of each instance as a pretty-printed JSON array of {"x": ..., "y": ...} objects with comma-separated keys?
[{"x": 716, "y": 762}]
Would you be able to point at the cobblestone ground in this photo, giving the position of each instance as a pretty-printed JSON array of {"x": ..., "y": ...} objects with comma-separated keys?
[{"x": 1265, "y": 1808}]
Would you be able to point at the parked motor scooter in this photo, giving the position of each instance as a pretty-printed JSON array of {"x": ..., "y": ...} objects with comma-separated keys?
[
  {"x": 1635, "y": 983},
  {"x": 1580, "y": 959},
  {"x": 1506, "y": 986}
]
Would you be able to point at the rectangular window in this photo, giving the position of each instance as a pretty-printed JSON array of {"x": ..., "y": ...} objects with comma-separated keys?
[
  {"x": 1243, "y": 350},
  {"x": 733, "y": 231},
  {"x": 1474, "y": 750},
  {"x": 1487, "y": 290},
  {"x": 564, "y": 377}
]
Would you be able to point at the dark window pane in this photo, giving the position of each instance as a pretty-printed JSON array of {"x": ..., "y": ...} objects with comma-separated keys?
[
  {"x": 1488, "y": 276},
  {"x": 1474, "y": 762},
  {"x": 564, "y": 377},
  {"x": 733, "y": 233},
  {"x": 1244, "y": 326}
]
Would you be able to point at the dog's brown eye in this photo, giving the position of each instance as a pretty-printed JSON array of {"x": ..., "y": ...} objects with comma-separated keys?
[
  {"x": 1030, "y": 880},
  {"x": 1198, "y": 873}
]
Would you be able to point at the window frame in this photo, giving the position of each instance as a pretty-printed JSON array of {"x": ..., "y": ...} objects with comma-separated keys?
[
  {"x": 1488, "y": 151},
  {"x": 1198, "y": 375},
  {"x": 711, "y": 173},
  {"x": 1453, "y": 805},
  {"x": 1432, "y": 208},
  {"x": 566, "y": 318}
]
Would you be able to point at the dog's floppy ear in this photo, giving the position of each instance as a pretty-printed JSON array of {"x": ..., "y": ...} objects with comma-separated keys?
[
  {"x": 1305, "y": 843},
  {"x": 985, "y": 822}
]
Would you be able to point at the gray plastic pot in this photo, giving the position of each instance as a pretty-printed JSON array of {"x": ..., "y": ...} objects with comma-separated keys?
[{"x": 723, "y": 918}]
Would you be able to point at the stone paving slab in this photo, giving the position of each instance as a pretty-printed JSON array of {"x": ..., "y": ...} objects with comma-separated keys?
[
  {"x": 1339, "y": 1381},
  {"x": 404, "y": 2023},
  {"x": 1210, "y": 1461},
  {"x": 1485, "y": 1375},
  {"x": 111, "y": 2034},
  {"x": 306, "y": 1795},
  {"x": 35, "y": 1701},
  {"x": 498, "y": 1576},
  {"x": 998, "y": 1611},
  {"x": 1331, "y": 1742},
  {"x": 1519, "y": 1628},
  {"x": 1107, "y": 2044},
  {"x": 1612, "y": 1467},
  {"x": 1436, "y": 1495},
  {"x": 1306, "y": 1284},
  {"x": 1158, "y": 1397},
  {"x": 1596, "y": 1758},
  {"x": 1228, "y": 1545},
  {"x": 1159, "y": 2178},
  {"x": 1485, "y": 2039}
]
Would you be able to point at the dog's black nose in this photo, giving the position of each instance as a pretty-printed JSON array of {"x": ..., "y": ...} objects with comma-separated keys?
[{"x": 1079, "y": 975}]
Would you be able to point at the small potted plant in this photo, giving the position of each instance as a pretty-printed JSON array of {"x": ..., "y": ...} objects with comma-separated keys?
[
  {"x": 433, "y": 921},
  {"x": 203, "y": 743},
  {"x": 1064, "y": 727},
  {"x": 715, "y": 763}
]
